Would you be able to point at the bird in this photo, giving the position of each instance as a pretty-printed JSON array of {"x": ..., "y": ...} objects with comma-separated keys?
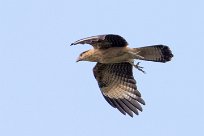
[{"x": 114, "y": 68}]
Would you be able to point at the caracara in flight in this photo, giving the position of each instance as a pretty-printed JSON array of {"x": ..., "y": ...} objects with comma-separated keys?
[{"x": 114, "y": 68}]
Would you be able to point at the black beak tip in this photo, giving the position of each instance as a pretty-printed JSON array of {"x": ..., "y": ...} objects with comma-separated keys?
[{"x": 78, "y": 60}]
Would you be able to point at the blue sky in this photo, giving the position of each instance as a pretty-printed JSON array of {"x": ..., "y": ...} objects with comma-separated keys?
[{"x": 43, "y": 91}]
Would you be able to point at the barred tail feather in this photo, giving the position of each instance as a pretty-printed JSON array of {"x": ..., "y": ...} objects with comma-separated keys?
[{"x": 157, "y": 53}]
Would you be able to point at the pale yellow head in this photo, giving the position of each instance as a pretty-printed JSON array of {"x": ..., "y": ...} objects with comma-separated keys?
[{"x": 86, "y": 56}]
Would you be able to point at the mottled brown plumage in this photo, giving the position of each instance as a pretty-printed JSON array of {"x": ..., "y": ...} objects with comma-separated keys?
[
  {"x": 118, "y": 86},
  {"x": 113, "y": 70}
]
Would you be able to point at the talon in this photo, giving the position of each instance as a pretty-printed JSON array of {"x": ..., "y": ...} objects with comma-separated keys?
[{"x": 139, "y": 67}]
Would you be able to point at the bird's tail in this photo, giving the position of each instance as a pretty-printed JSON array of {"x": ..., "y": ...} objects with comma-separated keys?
[{"x": 157, "y": 53}]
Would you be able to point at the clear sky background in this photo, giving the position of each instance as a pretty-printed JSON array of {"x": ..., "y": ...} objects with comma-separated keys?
[{"x": 44, "y": 92}]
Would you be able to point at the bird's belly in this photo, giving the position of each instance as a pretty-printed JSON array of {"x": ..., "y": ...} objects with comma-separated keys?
[{"x": 115, "y": 57}]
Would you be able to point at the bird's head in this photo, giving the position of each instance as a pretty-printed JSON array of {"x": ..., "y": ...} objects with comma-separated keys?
[{"x": 84, "y": 56}]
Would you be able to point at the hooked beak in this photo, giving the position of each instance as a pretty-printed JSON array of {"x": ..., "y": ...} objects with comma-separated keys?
[{"x": 78, "y": 59}]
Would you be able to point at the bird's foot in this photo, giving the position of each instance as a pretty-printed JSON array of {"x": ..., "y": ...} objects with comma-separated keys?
[{"x": 139, "y": 67}]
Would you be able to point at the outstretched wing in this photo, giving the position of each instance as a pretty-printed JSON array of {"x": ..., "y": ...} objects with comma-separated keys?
[
  {"x": 118, "y": 87},
  {"x": 103, "y": 41}
]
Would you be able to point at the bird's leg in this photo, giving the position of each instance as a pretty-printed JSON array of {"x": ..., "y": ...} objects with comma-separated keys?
[
  {"x": 139, "y": 56},
  {"x": 136, "y": 55},
  {"x": 139, "y": 67}
]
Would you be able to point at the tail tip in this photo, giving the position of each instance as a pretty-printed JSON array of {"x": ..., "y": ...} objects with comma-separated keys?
[{"x": 167, "y": 53}]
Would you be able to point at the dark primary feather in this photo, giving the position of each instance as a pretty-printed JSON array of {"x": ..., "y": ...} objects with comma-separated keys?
[
  {"x": 103, "y": 41},
  {"x": 118, "y": 87}
]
